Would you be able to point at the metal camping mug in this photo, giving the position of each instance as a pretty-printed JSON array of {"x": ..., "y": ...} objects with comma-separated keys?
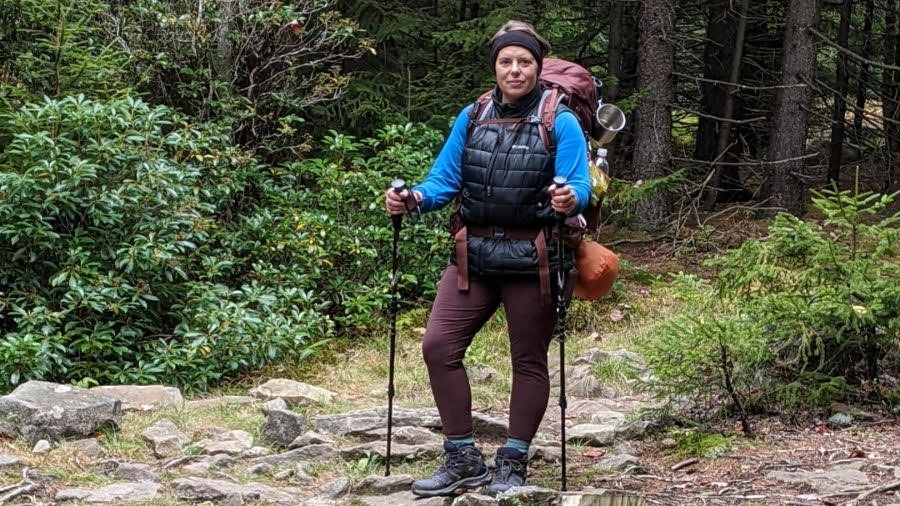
[{"x": 611, "y": 120}]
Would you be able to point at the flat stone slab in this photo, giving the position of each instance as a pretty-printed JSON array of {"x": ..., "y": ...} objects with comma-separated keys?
[
  {"x": 360, "y": 423},
  {"x": 42, "y": 410},
  {"x": 226, "y": 493},
  {"x": 117, "y": 493},
  {"x": 600, "y": 498},
  {"x": 143, "y": 397},
  {"x": 828, "y": 481},
  {"x": 402, "y": 499},
  {"x": 293, "y": 392}
]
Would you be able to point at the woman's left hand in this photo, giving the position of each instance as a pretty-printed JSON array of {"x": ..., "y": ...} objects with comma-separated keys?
[{"x": 562, "y": 198}]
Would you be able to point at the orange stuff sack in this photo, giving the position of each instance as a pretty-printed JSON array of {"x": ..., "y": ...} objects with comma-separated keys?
[{"x": 597, "y": 270}]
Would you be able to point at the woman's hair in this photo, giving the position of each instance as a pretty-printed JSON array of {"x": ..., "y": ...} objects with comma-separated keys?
[{"x": 513, "y": 25}]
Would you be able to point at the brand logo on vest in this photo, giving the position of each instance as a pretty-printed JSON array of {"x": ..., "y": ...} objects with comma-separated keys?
[{"x": 520, "y": 147}]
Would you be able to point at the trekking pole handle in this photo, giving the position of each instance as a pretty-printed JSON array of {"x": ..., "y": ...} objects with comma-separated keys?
[
  {"x": 560, "y": 181},
  {"x": 398, "y": 185}
]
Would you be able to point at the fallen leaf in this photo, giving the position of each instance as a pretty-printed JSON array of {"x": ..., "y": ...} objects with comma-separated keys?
[
  {"x": 856, "y": 453},
  {"x": 594, "y": 453}
]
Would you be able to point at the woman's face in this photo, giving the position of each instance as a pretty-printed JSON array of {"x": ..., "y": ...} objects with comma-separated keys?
[{"x": 516, "y": 71}]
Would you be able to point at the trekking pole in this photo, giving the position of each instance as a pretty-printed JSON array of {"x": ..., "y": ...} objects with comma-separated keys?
[
  {"x": 560, "y": 181},
  {"x": 398, "y": 185}
]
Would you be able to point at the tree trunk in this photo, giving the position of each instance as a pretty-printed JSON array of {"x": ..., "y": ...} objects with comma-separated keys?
[
  {"x": 653, "y": 118},
  {"x": 720, "y": 35},
  {"x": 840, "y": 98},
  {"x": 783, "y": 188},
  {"x": 725, "y": 44},
  {"x": 889, "y": 90},
  {"x": 865, "y": 72},
  {"x": 616, "y": 45}
]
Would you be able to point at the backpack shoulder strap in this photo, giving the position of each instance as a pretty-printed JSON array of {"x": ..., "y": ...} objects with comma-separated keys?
[
  {"x": 550, "y": 102},
  {"x": 478, "y": 112}
]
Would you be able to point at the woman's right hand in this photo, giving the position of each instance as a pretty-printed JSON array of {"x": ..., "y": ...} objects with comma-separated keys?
[{"x": 396, "y": 203}]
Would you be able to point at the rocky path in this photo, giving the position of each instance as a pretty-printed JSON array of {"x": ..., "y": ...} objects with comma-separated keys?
[{"x": 279, "y": 445}]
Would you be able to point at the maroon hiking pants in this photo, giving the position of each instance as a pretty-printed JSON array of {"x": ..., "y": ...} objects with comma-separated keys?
[{"x": 455, "y": 319}]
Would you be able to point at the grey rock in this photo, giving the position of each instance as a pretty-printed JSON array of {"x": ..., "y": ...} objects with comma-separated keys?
[
  {"x": 263, "y": 468},
  {"x": 600, "y": 498},
  {"x": 634, "y": 430},
  {"x": 41, "y": 447},
  {"x": 528, "y": 496},
  {"x": 225, "y": 493},
  {"x": 622, "y": 462},
  {"x": 275, "y": 404},
  {"x": 358, "y": 423},
  {"x": 256, "y": 451},
  {"x": 165, "y": 438},
  {"x": 10, "y": 463},
  {"x": 855, "y": 412},
  {"x": 402, "y": 499},
  {"x": 283, "y": 475},
  {"x": 293, "y": 392},
  {"x": 233, "y": 442},
  {"x": 301, "y": 475},
  {"x": 129, "y": 471},
  {"x": 282, "y": 427},
  {"x": 383, "y": 485},
  {"x": 840, "y": 421},
  {"x": 117, "y": 493},
  {"x": 489, "y": 426},
  {"x": 335, "y": 489},
  {"x": 545, "y": 453},
  {"x": 605, "y": 415},
  {"x": 592, "y": 434},
  {"x": 144, "y": 397},
  {"x": 215, "y": 402},
  {"x": 303, "y": 454},
  {"x": 310, "y": 438},
  {"x": 828, "y": 481},
  {"x": 475, "y": 500},
  {"x": 200, "y": 468},
  {"x": 41, "y": 410},
  {"x": 399, "y": 451},
  {"x": 407, "y": 435}
]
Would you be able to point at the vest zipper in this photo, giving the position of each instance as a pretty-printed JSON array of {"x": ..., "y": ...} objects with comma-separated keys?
[{"x": 489, "y": 190}]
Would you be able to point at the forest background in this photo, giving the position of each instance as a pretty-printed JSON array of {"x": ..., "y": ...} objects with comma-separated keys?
[{"x": 191, "y": 190}]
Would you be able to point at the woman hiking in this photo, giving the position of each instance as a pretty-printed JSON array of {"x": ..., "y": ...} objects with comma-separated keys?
[{"x": 498, "y": 166}]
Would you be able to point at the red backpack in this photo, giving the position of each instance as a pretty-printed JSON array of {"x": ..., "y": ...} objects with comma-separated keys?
[{"x": 571, "y": 85}]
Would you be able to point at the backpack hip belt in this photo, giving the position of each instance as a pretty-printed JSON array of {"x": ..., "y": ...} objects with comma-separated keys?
[{"x": 538, "y": 235}]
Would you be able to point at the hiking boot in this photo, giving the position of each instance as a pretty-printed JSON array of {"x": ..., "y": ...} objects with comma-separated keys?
[
  {"x": 512, "y": 466},
  {"x": 464, "y": 468}
]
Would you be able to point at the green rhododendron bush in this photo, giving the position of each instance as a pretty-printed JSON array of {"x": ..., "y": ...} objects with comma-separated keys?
[{"x": 139, "y": 246}]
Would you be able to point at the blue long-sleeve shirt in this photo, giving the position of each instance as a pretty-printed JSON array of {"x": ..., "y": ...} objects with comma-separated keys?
[{"x": 444, "y": 180}]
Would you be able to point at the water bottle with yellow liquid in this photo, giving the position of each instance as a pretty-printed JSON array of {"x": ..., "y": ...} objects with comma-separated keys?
[{"x": 599, "y": 172}]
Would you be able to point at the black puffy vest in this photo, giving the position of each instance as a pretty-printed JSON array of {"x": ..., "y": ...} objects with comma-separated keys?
[{"x": 506, "y": 170}]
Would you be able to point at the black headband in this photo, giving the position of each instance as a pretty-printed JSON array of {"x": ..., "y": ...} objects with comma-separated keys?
[{"x": 517, "y": 38}]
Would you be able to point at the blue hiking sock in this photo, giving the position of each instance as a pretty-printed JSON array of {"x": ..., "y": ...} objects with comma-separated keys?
[
  {"x": 518, "y": 444},
  {"x": 459, "y": 442}
]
